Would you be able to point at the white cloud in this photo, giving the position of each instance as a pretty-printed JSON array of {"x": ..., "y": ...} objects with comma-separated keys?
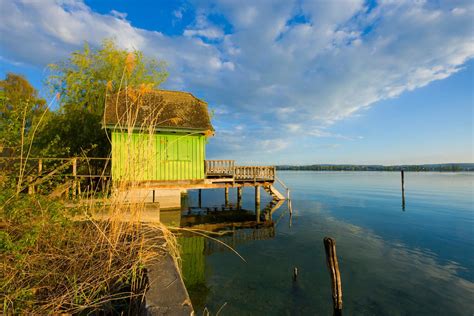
[
  {"x": 287, "y": 64},
  {"x": 119, "y": 15},
  {"x": 203, "y": 28}
]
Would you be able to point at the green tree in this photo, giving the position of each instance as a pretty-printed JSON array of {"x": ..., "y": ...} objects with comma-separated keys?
[
  {"x": 21, "y": 110},
  {"x": 83, "y": 82}
]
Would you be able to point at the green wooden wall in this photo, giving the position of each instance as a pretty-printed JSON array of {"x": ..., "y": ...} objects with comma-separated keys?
[{"x": 159, "y": 156}]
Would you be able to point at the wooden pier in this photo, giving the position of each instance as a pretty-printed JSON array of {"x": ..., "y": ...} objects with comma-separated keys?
[{"x": 73, "y": 173}]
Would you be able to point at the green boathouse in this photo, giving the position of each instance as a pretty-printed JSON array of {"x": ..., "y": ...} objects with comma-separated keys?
[{"x": 157, "y": 135}]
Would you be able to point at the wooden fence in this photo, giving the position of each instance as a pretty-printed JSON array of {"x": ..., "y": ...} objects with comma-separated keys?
[{"x": 48, "y": 175}]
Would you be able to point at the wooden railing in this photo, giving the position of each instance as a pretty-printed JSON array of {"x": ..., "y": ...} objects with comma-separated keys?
[
  {"x": 219, "y": 168},
  {"x": 45, "y": 175},
  {"x": 86, "y": 167},
  {"x": 254, "y": 173},
  {"x": 227, "y": 169}
]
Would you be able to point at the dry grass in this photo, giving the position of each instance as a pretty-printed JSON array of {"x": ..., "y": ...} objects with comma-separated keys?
[{"x": 53, "y": 264}]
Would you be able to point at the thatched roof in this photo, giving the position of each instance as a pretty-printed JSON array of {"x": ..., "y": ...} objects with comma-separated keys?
[{"x": 160, "y": 109}]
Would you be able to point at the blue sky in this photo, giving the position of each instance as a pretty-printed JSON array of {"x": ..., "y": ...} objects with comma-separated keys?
[{"x": 290, "y": 81}]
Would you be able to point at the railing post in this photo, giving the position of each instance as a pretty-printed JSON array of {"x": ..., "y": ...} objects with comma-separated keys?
[
  {"x": 74, "y": 174},
  {"x": 40, "y": 166},
  {"x": 31, "y": 187}
]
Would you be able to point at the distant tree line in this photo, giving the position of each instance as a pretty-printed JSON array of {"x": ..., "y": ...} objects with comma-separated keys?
[{"x": 452, "y": 167}]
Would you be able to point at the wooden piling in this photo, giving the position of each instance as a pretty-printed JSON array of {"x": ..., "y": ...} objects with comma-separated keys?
[
  {"x": 333, "y": 267},
  {"x": 295, "y": 273},
  {"x": 200, "y": 198},
  {"x": 403, "y": 189},
  {"x": 257, "y": 202},
  {"x": 257, "y": 195},
  {"x": 226, "y": 193},
  {"x": 239, "y": 197}
]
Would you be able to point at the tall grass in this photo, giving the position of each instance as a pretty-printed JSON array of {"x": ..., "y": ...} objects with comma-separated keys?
[{"x": 58, "y": 259}]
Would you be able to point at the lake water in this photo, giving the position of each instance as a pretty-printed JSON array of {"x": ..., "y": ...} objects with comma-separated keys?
[{"x": 417, "y": 261}]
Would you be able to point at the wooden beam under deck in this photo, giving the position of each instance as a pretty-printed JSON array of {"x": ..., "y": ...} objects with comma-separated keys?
[{"x": 191, "y": 184}]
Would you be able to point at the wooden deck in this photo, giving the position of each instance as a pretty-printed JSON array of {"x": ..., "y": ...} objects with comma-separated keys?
[{"x": 70, "y": 173}]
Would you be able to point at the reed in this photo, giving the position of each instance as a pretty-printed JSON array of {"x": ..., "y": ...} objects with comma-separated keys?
[{"x": 59, "y": 259}]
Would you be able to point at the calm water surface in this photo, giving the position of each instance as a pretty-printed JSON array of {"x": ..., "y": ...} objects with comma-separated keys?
[{"x": 417, "y": 261}]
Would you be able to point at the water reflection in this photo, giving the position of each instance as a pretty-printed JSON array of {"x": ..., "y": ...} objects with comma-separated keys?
[
  {"x": 232, "y": 224},
  {"x": 418, "y": 262}
]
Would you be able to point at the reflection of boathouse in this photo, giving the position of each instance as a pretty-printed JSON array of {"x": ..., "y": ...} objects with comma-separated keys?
[{"x": 232, "y": 226}]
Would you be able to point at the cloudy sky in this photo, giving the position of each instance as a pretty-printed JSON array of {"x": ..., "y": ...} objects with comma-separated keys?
[{"x": 290, "y": 81}]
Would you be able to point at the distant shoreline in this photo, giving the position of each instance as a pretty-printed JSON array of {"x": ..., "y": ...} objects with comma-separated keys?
[{"x": 448, "y": 167}]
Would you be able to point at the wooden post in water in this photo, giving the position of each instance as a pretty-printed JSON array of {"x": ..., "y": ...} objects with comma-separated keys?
[
  {"x": 200, "y": 198},
  {"x": 226, "y": 193},
  {"x": 239, "y": 197},
  {"x": 257, "y": 202},
  {"x": 333, "y": 266},
  {"x": 403, "y": 189}
]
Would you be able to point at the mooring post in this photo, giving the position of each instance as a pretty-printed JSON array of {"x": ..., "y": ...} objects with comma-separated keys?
[
  {"x": 257, "y": 202},
  {"x": 239, "y": 197},
  {"x": 226, "y": 193},
  {"x": 333, "y": 267},
  {"x": 403, "y": 189},
  {"x": 200, "y": 198},
  {"x": 257, "y": 195}
]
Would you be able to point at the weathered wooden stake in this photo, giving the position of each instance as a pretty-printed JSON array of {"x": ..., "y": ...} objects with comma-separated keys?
[
  {"x": 40, "y": 166},
  {"x": 295, "y": 273},
  {"x": 239, "y": 197},
  {"x": 226, "y": 193},
  {"x": 103, "y": 184},
  {"x": 257, "y": 195},
  {"x": 403, "y": 189},
  {"x": 74, "y": 174},
  {"x": 31, "y": 188},
  {"x": 200, "y": 198},
  {"x": 333, "y": 266},
  {"x": 257, "y": 202}
]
